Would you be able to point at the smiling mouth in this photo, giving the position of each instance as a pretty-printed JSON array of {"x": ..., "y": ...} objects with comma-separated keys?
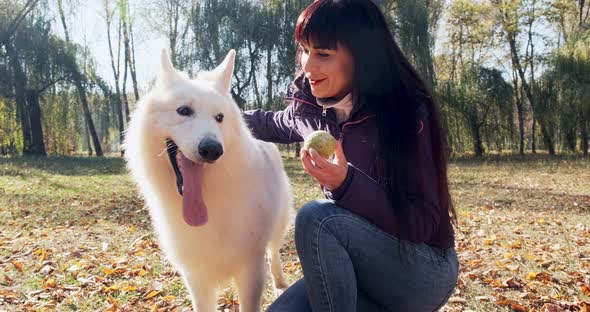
[
  {"x": 172, "y": 150},
  {"x": 189, "y": 184},
  {"x": 316, "y": 82}
]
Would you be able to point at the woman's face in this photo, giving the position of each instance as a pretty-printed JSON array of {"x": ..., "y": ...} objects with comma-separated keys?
[{"x": 330, "y": 72}]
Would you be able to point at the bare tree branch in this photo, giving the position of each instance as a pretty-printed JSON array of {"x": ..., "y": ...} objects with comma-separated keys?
[{"x": 28, "y": 7}]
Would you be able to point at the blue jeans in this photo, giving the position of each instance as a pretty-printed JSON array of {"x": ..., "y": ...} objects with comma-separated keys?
[{"x": 351, "y": 265}]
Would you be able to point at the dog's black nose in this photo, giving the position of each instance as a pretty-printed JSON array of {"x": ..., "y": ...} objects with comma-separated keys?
[{"x": 210, "y": 150}]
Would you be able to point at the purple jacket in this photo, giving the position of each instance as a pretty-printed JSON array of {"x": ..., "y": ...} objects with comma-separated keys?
[{"x": 362, "y": 191}]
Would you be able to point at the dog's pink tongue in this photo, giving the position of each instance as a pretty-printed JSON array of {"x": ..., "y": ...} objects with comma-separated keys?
[{"x": 194, "y": 209}]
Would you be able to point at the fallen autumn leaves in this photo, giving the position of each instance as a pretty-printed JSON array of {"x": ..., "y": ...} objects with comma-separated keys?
[{"x": 81, "y": 241}]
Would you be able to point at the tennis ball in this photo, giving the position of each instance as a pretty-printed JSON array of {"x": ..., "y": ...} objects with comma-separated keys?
[{"x": 322, "y": 141}]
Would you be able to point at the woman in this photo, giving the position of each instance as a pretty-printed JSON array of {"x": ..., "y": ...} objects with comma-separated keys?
[{"x": 383, "y": 239}]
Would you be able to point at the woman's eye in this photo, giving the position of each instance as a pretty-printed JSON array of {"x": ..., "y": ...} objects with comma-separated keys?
[
  {"x": 184, "y": 111},
  {"x": 219, "y": 118},
  {"x": 320, "y": 54}
]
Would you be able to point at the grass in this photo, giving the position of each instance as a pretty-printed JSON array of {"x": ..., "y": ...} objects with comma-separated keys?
[{"x": 75, "y": 237}]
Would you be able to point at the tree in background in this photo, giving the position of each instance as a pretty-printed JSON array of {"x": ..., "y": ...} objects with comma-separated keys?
[
  {"x": 416, "y": 24},
  {"x": 510, "y": 13},
  {"x": 52, "y": 99},
  {"x": 570, "y": 67},
  {"x": 12, "y": 14},
  {"x": 80, "y": 83},
  {"x": 471, "y": 38}
]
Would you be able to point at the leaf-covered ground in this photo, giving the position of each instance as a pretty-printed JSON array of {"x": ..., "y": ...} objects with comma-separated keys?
[{"x": 75, "y": 237}]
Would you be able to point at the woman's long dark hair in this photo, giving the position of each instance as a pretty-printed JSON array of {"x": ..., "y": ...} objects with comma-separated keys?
[{"x": 385, "y": 82}]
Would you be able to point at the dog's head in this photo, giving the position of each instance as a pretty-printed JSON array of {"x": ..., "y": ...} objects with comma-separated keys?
[
  {"x": 194, "y": 114},
  {"x": 197, "y": 118}
]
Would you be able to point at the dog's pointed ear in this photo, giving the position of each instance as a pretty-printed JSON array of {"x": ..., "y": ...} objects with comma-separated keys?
[
  {"x": 222, "y": 74},
  {"x": 166, "y": 63},
  {"x": 167, "y": 74},
  {"x": 226, "y": 71}
]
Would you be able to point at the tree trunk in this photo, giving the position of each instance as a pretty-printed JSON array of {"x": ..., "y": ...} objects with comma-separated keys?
[
  {"x": 257, "y": 93},
  {"x": 585, "y": 135},
  {"x": 88, "y": 139},
  {"x": 497, "y": 134},
  {"x": 519, "y": 112},
  {"x": 477, "y": 142},
  {"x": 534, "y": 136},
  {"x": 173, "y": 29},
  {"x": 571, "y": 138},
  {"x": 525, "y": 85},
  {"x": 269, "y": 78},
  {"x": 77, "y": 77},
  {"x": 121, "y": 122},
  {"x": 297, "y": 150},
  {"x": 126, "y": 63},
  {"x": 62, "y": 16},
  {"x": 115, "y": 68},
  {"x": 547, "y": 139},
  {"x": 511, "y": 37},
  {"x": 585, "y": 128},
  {"x": 131, "y": 60},
  {"x": 448, "y": 138},
  {"x": 253, "y": 57},
  {"x": 125, "y": 104},
  {"x": 124, "y": 92},
  {"x": 87, "y": 115},
  {"x": 22, "y": 111},
  {"x": 37, "y": 145}
]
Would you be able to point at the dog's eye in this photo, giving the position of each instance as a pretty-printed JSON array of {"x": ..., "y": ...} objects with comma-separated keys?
[
  {"x": 219, "y": 118},
  {"x": 184, "y": 111}
]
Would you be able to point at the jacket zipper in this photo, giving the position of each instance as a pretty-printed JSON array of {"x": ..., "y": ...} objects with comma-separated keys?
[
  {"x": 341, "y": 138},
  {"x": 324, "y": 113}
]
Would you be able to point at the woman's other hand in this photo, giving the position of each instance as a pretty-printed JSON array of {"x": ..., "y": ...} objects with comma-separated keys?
[{"x": 329, "y": 174}]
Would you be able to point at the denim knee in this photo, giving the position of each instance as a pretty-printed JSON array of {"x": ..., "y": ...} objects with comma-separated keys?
[
  {"x": 312, "y": 213},
  {"x": 309, "y": 218}
]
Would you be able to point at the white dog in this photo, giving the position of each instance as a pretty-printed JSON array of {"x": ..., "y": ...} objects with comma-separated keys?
[{"x": 217, "y": 196}]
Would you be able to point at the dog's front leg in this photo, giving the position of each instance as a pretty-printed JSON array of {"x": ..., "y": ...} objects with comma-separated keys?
[
  {"x": 202, "y": 295},
  {"x": 250, "y": 281}
]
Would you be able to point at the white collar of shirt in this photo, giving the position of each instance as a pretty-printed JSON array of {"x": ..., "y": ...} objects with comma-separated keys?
[{"x": 342, "y": 107}]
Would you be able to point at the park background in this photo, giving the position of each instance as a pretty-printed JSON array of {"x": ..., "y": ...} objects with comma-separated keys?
[{"x": 512, "y": 78}]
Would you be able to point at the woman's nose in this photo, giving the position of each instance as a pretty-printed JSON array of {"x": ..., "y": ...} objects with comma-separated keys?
[{"x": 308, "y": 65}]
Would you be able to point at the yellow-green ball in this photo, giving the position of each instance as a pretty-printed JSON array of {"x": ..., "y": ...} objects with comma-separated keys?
[{"x": 322, "y": 141}]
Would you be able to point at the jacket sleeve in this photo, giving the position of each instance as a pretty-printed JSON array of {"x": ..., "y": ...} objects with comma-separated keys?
[
  {"x": 364, "y": 196},
  {"x": 276, "y": 127}
]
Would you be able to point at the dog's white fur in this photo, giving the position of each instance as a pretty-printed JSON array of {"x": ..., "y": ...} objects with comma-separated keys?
[{"x": 246, "y": 191}]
